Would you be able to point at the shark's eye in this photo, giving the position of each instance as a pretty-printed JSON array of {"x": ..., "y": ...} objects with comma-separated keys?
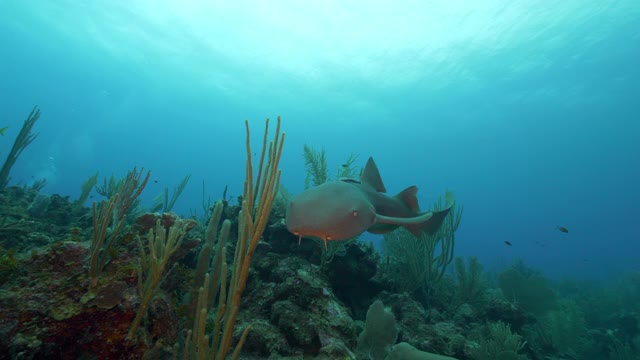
[{"x": 354, "y": 213}]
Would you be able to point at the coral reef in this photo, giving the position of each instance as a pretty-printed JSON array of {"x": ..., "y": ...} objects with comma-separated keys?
[
  {"x": 238, "y": 285},
  {"x": 296, "y": 307}
]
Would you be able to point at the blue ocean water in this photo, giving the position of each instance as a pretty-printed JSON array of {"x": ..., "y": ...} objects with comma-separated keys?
[{"x": 528, "y": 111}]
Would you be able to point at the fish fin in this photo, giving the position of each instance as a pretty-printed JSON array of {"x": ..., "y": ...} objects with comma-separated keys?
[
  {"x": 433, "y": 223},
  {"x": 382, "y": 228},
  {"x": 428, "y": 222},
  {"x": 408, "y": 197},
  {"x": 398, "y": 221},
  {"x": 371, "y": 176}
]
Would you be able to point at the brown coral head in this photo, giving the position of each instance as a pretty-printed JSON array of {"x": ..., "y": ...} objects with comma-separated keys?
[{"x": 148, "y": 221}]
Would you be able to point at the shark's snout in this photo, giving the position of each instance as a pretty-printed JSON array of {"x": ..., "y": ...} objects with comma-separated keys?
[{"x": 303, "y": 221}]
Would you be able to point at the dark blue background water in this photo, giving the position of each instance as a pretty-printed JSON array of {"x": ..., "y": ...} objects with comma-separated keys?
[{"x": 527, "y": 110}]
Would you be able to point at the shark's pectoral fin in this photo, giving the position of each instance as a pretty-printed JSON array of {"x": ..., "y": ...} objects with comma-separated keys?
[
  {"x": 432, "y": 225},
  {"x": 385, "y": 224},
  {"x": 427, "y": 223},
  {"x": 381, "y": 219},
  {"x": 382, "y": 228}
]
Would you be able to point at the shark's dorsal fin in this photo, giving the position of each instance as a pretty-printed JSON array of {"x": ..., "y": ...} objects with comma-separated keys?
[
  {"x": 408, "y": 197},
  {"x": 371, "y": 176}
]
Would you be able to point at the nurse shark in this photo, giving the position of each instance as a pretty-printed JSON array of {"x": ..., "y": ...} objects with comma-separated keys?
[{"x": 339, "y": 210}]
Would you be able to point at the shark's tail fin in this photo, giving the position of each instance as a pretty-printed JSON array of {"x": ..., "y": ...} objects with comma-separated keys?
[{"x": 432, "y": 223}]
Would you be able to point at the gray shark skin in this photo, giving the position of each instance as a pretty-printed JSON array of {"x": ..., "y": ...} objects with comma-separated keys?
[{"x": 339, "y": 210}]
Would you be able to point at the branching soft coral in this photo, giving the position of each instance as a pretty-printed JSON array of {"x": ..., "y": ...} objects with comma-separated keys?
[
  {"x": 24, "y": 138},
  {"x": 315, "y": 163}
]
